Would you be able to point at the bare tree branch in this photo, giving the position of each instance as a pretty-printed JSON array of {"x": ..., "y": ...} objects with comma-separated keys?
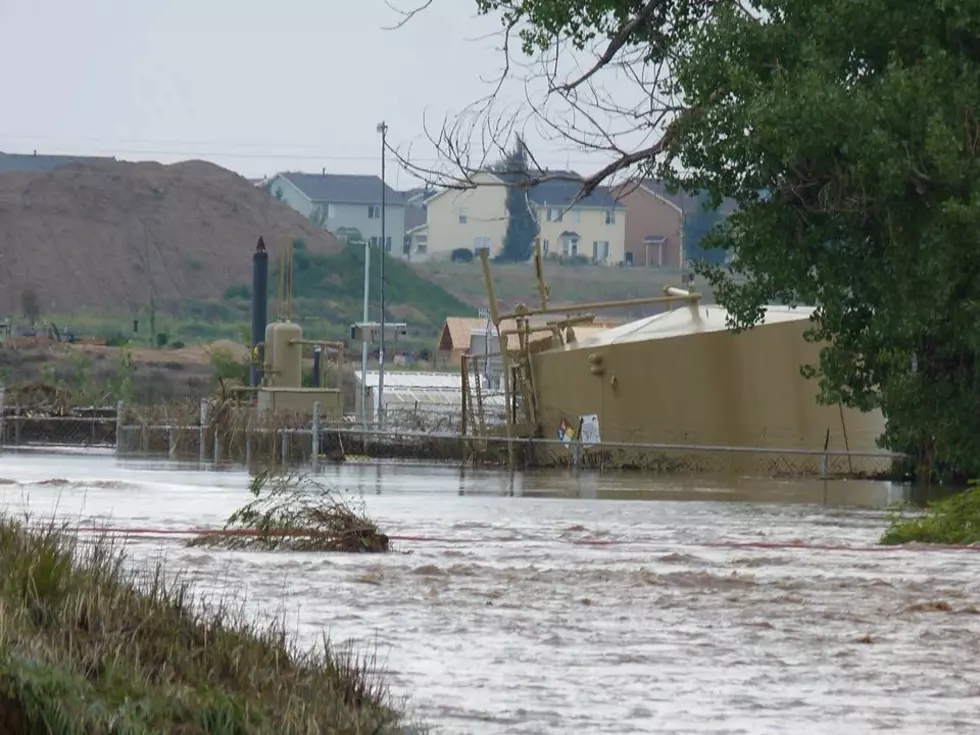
[
  {"x": 616, "y": 44},
  {"x": 571, "y": 103},
  {"x": 406, "y": 15}
]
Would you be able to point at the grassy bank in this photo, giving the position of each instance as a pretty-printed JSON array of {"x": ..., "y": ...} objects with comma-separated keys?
[
  {"x": 953, "y": 521},
  {"x": 87, "y": 647}
]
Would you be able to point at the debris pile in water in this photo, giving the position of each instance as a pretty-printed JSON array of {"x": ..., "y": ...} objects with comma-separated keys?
[{"x": 293, "y": 512}]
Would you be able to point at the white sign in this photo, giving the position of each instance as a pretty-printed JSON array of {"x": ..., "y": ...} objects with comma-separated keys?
[{"x": 590, "y": 430}]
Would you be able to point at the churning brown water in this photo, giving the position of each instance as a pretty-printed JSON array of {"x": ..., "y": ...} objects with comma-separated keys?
[{"x": 506, "y": 616}]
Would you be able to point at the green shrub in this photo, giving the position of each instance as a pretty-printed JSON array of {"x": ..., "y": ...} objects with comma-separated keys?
[
  {"x": 954, "y": 521},
  {"x": 238, "y": 291}
]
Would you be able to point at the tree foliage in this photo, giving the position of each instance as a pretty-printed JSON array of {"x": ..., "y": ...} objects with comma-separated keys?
[
  {"x": 701, "y": 225},
  {"x": 30, "y": 304},
  {"x": 846, "y": 132},
  {"x": 521, "y": 225}
]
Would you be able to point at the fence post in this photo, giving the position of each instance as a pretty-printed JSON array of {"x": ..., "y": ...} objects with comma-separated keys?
[
  {"x": 120, "y": 423},
  {"x": 315, "y": 442},
  {"x": 248, "y": 441},
  {"x": 3, "y": 411},
  {"x": 203, "y": 431},
  {"x": 285, "y": 447},
  {"x": 823, "y": 466},
  {"x": 217, "y": 446}
]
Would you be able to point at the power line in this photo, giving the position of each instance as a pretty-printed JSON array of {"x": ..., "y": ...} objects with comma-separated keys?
[{"x": 187, "y": 151}]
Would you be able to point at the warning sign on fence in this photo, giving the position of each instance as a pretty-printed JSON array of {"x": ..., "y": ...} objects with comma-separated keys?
[{"x": 589, "y": 433}]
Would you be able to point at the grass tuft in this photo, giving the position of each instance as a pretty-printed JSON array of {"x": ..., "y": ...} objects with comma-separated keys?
[
  {"x": 953, "y": 521},
  {"x": 89, "y": 647},
  {"x": 293, "y": 512}
]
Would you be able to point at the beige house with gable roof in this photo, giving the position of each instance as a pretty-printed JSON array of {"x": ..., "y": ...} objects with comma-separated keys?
[{"x": 476, "y": 219}]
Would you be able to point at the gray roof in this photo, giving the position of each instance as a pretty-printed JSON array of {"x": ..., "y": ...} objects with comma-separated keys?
[
  {"x": 28, "y": 162},
  {"x": 560, "y": 192},
  {"x": 687, "y": 201},
  {"x": 415, "y": 216},
  {"x": 343, "y": 188}
]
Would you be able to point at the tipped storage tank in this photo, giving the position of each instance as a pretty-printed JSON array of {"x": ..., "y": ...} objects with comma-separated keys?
[{"x": 287, "y": 358}]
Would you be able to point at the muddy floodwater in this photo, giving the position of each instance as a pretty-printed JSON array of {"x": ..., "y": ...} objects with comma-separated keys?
[{"x": 552, "y": 603}]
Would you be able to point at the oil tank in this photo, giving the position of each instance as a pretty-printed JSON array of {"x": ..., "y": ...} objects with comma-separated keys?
[
  {"x": 287, "y": 359},
  {"x": 270, "y": 331}
]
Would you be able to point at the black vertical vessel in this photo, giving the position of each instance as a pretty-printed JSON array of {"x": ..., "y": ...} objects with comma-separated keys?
[{"x": 260, "y": 308}]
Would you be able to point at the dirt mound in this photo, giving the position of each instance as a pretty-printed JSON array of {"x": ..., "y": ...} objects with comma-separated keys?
[{"x": 111, "y": 234}]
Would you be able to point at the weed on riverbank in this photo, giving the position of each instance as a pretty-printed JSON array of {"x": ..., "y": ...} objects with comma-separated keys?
[
  {"x": 954, "y": 521},
  {"x": 89, "y": 647}
]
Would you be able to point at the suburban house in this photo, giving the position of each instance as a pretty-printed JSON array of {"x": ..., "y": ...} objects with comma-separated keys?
[
  {"x": 32, "y": 162},
  {"x": 655, "y": 222},
  {"x": 476, "y": 219},
  {"x": 416, "y": 202},
  {"x": 344, "y": 203}
]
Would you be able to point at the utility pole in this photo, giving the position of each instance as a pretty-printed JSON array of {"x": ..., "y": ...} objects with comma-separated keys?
[
  {"x": 364, "y": 332},
  {"x": 383, "y": 129}
]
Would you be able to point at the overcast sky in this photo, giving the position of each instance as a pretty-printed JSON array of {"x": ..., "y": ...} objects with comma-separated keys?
[{"x": 258, "y": 87}]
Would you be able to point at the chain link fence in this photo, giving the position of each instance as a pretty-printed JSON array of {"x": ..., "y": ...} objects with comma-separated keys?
[
  {"x": 93, "y": 427},
  {"x": 225, "y": 432}
]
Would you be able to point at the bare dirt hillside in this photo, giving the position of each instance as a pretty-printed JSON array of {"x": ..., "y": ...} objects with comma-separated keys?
[{"x": 111, "y": 234}]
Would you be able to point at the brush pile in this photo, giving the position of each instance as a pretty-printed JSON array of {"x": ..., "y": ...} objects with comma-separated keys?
[{"x": 293, "y": 512}]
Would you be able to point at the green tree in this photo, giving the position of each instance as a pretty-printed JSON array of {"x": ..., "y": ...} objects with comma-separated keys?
[
  {"x": 699, "y": 223},
  {"x": 522, "y": 227},
  {"x": 30, "y": 304},
  {"x": 847, "y": 133}
]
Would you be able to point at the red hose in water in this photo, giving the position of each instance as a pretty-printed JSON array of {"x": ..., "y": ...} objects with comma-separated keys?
[{"x": 580, "y": 542}]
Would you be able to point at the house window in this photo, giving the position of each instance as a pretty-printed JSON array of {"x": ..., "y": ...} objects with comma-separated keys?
[
  {"x": 481, "y": 243},
  {"x": 554, "y": 214},
  {"x": 600, "y": 250},
  {"x": 544, "y": 247},
  {"x": 611, "y": 217},
  {"x": 629, "y": 258},
  {"x": 462, "y": 216},
  {"x": 569, "y": 246},
  {"x": 374, "y": 211},
  {"x": 387, "y": 244}
]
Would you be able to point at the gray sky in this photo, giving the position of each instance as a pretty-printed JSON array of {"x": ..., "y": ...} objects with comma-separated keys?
[{"x": 257, "y": 87}]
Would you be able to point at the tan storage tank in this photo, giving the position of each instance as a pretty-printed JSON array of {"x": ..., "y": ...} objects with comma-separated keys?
[
  {"x": 287, "y": 359},
  {"x": 269, "y": 337}
]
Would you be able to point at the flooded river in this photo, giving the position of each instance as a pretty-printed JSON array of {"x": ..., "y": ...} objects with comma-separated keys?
[{"x": 505, "y": 616}]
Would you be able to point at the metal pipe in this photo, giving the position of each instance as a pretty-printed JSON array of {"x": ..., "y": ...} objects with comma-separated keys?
[
  {"x": 684, "y": 294},
  {"x": 318, "y": 343},
  {"x": 597, "y": 305},
  {"x": 260, "y": 309},
  {"x": 316, "y": 367},
  {"x": 504, "y": 352}
]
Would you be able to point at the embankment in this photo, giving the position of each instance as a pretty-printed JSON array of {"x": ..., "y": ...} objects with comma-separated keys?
[{"x": 86, "y": 646}]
